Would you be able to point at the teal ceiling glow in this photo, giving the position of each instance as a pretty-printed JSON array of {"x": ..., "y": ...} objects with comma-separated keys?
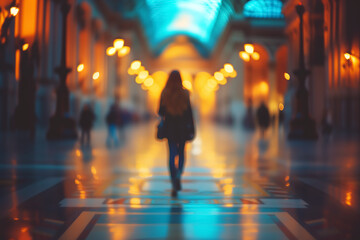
[
  {"x": 202, "y": 21},
  {"x": 263, "y": 9}
]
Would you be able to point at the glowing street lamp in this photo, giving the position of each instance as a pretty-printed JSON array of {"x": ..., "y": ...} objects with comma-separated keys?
[
  {"x": 135, "y": 65},
  {"x": 80, "y": 67},
  {"x": 255, "y": 56},
  {"x": 149, "y": 82},
  {"x": 110, "y": 51},
  {"x": 244, "y": 56},
  {"x": 14, "y": 11},
  {"x": 219, "y": 76},
  {"x": 228, "y": 68},
  {"x": 347, "y": 56},
  {"x": 25, "y": 47},
  {"x": 123, "y": 51},
  {"x": 118, "y": 43},
  {"x": 96, "y": 76},
  {"x": 287, "y": 76},
  {"x": 249, "y": 48}
]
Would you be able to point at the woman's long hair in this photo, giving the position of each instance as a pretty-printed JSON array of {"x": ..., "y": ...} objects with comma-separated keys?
[{"x": 174, "y": 96}]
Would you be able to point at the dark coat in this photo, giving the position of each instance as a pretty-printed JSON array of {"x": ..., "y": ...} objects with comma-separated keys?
[
  {"x": 178, "y": 128},
  {"x": 87, "y": 118},
  {"x": 263, "y": 116}
]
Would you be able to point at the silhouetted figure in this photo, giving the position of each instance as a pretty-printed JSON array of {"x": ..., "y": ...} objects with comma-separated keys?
[
  {"x": 249, "y": 122},
  {"x": 113, "y": 120},
  {"x": 178, "y": 124},
  {"x": 86, "y": 121},
  {"x": 326, "y": 122},
  {"x": 281, "y": 117},
  {"x": 263, "y": 118}
]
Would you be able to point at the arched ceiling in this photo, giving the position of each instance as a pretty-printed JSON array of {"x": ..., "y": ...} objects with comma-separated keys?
[{"x": 202, "y": 21}]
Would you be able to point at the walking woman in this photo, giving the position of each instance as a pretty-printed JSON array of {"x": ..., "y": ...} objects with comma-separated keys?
[{"x": 178, "y": 125}]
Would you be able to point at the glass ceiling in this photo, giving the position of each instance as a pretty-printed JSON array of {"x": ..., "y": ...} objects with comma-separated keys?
[
  {"x": 201, "y": 20},
  {"x": 263, "y": 9}
]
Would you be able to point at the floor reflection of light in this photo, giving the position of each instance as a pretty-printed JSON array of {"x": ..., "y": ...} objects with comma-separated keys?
[
  {"x": 228, "y": 189},
  {"x": 93, "y": 170},
  {"x": 94, "y": 173},
  {"x": 249, "y": 221},
  {"x": 135, "y": 203}
]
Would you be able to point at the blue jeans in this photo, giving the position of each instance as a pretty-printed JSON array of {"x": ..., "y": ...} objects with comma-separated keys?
[{"x": 176, "y": 149}]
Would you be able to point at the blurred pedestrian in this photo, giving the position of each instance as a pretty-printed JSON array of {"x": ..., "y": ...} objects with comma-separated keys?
[
  {"x": 86, "y": 121},
  {"x": 249, "y": 122},
  {"x": 177, "y": 125},
  {"x": 263, "y": 118},
  {"x": 112, "y": 119}
]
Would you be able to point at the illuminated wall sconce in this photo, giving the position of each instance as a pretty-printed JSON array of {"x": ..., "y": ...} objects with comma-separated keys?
[
  {"x": 119, "y": 48},
  {"x": 287, "y": 76},
  {"x": 14, "y": 11},
  {"x": 80, "y": 67},
  {"x": 118, "y": 43},
  {"x": 281, "y": 106},
  {"x": 96, "y": 76},
  {"x": 249, "y": 48},
  {"x": 25, "y": 47},
  {"x": 110, "y": 51},
  {"x": 347, "y": 56},
  {"x": 6, "y": 21},
  {"x": 249, "y": 53},
  {"x": 349, "y": 59},
  {"x": 123, "y": 51}
]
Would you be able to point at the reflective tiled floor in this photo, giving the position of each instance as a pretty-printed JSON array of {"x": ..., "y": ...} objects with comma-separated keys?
[{"x": 235, "y": 186}]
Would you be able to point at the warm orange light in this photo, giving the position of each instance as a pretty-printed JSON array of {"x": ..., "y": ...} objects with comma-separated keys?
[
  {"x": 96, "y": 75},
  {"x": 135, "y": 201},
  {"x": 187, "y": 84},
  {"x": 80, "y": 67},
  {"x": 118, "y": 43},
  {"x": 348, "y": 198},
  {"x": 93, "y": 170},
  {"x": 244, "y": 56},
  {"x": 256, "y": 56},
  {"x": 228, "y": 68},
  {"x": 347, "y": 56},
  {"x": 149, "y": 82},
  {"x": 264, "y": 87},
  {"x": 287, "y": 76},
  {"x": 219, "y": 76},
  {"x": 25, "y": 47},
  {"x": 222, "y": 82},
  {"x": 110, "y": 51},
  {"x": 233, "y": 74},
  {"x": 135, "y": 65},
  {"x": 78, "y": 153},
  {"x": 143, "y": 74},
  {"x": 249, "y": 48},
  {"x": 212, "y": 83},
  {"x": 24, "y": 229},
  {"x": 281, "y": 106},
  {"x": 287, "y": 178},
  {"x": 14, "y": 11},
  {"x": 123, "y": 51},
  {"x": 131, "y": 71},
  {"x": 77, "y": 182}
]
